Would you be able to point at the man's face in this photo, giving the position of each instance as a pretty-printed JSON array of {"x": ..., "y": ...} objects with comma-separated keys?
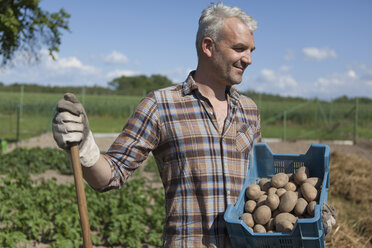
[{"x": 233, "y": 51}]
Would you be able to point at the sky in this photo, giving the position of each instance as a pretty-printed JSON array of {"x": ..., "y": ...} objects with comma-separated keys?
[{"x": 317, "y": 48}]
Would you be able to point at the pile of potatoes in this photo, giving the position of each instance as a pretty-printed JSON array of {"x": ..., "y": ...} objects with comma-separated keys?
[{"x": 275, "y": 205}]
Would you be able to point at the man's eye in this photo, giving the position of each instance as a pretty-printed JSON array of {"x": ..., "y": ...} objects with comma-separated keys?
[{"x": 239, "y": 49}]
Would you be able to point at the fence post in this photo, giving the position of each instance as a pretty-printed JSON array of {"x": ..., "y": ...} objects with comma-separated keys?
[
  {"x": 21, "y": 100},
  {"x": 51, "y": 119},
  {"x": 285, "y": 125},
  {"x": 260, "y": 101},
  {"x": 356, "y": 121},
  {"x": 83, "y": 95},
  {"x": 18, "y": 117},
  {"x": 330, "y": 111},
  {"x": 3, "y": 144},
  {"x": 316, "y": 112}
]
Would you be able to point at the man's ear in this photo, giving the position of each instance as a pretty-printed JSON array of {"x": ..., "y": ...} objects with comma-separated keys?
[{"x": 208, "y": 46}]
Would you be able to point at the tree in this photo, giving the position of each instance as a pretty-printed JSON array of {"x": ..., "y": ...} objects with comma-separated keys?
[
  {"x": 24, "y": 26},
  {"x": 138, "y": 85}
]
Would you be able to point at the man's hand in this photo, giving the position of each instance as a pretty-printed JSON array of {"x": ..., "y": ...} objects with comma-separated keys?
[
  {"x": 328, "y": 217},
  {"x": 70, "y": 125}
]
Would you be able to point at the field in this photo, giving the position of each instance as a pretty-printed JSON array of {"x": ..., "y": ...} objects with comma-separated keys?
[
  {"x": 38, "y": 203},
  {"x": 30, "y": 114}
]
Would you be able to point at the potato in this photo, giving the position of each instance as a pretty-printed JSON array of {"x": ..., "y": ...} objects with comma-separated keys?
[
  {"x": 285, "y": 216},
  {"x": 248, "y": 219},
  {"x": 290, "y": 187},
  {"x": 284, "y": 226},
  {"x": 270, "y": 225},
  {"x": 290, "y": 177},
  {"x": 253, "y": 192},
  {"x": 299, "y": 193},
  {"x": 264, "y": 184},
  {"x": 300, "y": 207},
  {"x": 311, "y": 208},
  {"x": 261, "y": 201},
  {"x": 301, "y": 175},
  {"x": 272, "y": 201},
  {"x": 309, "y": 192},
  {"x": 275, "y": 213},
  {"x": 279, "y": 180},
  {"x": 274, "y": 205},
  {"x": 288, "y": 201},
  {"x": 262, "y": 215},
  {"x": 315, "y": 181},
  {"x": 249, "y": 206},
  {"x": 259, "y": 228},
  {"x": 280, "y": 192},
  {"x": 271, "y": 190}
]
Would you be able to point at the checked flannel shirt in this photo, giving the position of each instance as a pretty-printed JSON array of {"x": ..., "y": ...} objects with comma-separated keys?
[{"x": 201, "y": 169}]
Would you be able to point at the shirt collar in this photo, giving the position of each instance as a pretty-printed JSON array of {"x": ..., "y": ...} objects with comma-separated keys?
[{"x": 189, "y": 86}]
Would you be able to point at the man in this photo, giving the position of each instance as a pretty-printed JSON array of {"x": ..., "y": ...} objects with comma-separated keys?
[{"x": 200, "y": 133}]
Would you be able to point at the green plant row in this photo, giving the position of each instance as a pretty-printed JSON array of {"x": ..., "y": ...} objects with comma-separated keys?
[
  {"x": 44, "y": 104},
  {"x": 45, "y": 212}
]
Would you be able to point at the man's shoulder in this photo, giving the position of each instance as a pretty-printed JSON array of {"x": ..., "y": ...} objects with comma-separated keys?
[
  {"x": 167, "y": 92},
  {"x": 246, "y": 101}
]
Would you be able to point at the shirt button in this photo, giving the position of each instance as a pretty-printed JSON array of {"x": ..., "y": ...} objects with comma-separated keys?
[{"x": 228, "y": 192}]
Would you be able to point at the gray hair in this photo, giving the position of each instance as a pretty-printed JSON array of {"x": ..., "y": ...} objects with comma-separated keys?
[{"x": 213, "y": 18}]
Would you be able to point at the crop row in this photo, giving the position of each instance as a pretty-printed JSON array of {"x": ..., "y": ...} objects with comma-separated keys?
[{"x": 46, "y": 212}]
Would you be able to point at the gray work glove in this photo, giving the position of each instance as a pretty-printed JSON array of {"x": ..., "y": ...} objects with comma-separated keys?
[
  {"x": 70, "y": 125},
  {"x": 328, "y": 217}
]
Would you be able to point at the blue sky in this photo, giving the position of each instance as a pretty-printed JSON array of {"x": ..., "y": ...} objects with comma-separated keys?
[{"x": 318, "y": 48}]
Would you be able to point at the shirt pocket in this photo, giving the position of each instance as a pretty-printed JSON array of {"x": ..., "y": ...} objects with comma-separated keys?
[{"x": 244, "y": 138}]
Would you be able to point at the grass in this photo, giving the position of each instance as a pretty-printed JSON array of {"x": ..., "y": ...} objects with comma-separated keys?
[{"x": 305, "y": 119}]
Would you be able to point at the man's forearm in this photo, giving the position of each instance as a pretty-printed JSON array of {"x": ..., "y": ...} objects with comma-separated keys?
[{"x": 99, "y": 175}]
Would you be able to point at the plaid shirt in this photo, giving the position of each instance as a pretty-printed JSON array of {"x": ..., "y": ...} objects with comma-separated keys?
[{"x": 201, "y": 169}]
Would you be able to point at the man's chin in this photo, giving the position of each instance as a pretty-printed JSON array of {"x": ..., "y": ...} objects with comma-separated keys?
[{"x": 236, "y": 81}]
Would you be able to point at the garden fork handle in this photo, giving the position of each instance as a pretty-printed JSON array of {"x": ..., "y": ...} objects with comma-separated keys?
[{"x": 80, "y": 194}]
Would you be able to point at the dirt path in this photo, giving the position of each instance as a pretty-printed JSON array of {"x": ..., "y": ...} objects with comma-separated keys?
[{"x": 362, "y": 149}]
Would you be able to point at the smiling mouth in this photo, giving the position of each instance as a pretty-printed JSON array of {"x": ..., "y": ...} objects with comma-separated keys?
[{"x": 239, "y": 68}]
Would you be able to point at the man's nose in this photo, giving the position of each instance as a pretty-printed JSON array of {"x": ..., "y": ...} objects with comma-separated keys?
[{"x": 247, "y": 59}]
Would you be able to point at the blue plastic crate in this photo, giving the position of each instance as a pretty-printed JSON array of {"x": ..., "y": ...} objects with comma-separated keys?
[{"x": 307, "y": 232}]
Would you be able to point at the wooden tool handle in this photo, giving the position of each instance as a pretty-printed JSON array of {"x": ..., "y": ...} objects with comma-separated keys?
[{"x": 80, "y": 193}]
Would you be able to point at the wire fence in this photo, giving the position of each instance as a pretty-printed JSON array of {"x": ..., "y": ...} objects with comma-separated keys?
[{"x": 26, "y": 114}]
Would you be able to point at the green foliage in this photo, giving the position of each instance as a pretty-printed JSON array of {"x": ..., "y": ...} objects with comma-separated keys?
[
  {"x": 25, "y": 26},
  {"x": 35, "y": 160},
  {"x": 139, "y": 85},
  {"x": 47, "y": 213}
]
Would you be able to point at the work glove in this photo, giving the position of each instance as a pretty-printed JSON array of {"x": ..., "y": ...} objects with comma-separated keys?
[
  {"x": 70, "y": 125},
  {"x": 329, "y": 215}
]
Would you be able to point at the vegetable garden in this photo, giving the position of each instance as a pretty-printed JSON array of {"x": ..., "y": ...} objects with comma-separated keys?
[{"x": 42, "y": 211}]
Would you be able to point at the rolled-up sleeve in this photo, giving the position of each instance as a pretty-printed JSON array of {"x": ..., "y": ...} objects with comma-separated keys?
[{"x": 138, "y": 138}]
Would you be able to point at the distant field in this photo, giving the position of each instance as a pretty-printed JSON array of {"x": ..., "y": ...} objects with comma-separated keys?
[{"x": 302, "y": 119}]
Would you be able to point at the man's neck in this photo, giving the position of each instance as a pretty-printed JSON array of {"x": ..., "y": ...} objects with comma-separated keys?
[{"x": 208, "y": 86}]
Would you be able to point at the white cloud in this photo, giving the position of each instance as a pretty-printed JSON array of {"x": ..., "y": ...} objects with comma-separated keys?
[
  {"x": 119, "y": 73},
  {"x": 290, "y": 55},
  {"x": 62, "y": 71},
  {"x": 355, "y": 81},
  {"x": 68, "y": 64},
  {"x": 178, "y": 74},
  {"x": 345, "y": 83},
  {"x": 352, "y": 74},
  {"x": 115, "y": 58},
  {"x": 278, "y": 81},
  {"x": 314, "y": 53}
]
